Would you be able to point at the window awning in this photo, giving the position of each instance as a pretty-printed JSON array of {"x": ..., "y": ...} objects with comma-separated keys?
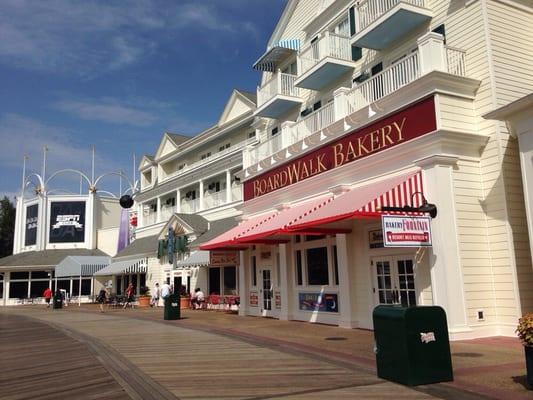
[
  {"x": 366, "y": 200},
  {"x": 197, "y": 258},
  {"x": 273, "y": 56},
  {"x": 81, "y": 266},
  {"x": 133, "y": 266}
]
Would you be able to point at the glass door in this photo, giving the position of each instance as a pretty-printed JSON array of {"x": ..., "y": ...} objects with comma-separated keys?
[
  {"x": 394, "y": 281},
  {"x": 266, "y": 291}
]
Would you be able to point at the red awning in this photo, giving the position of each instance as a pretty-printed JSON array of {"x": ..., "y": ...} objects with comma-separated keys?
[
  {"x": 228, "y": 239},
  {"x": 365, "y": 201}
]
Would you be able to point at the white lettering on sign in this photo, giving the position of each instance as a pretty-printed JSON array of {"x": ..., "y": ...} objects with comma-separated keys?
[
  {"x": 427, "y": 337},
  {"x": 406, "y": 231},
  {"x": 67, "y": 220}
]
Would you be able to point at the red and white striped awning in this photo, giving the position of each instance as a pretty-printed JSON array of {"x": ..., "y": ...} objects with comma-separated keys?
[
  {"x": 363, "y": 201},
  {"x": 366, "y": 201}
]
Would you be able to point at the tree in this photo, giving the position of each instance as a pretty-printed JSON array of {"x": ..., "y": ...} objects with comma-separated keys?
[{"x": 7, "y": 226}]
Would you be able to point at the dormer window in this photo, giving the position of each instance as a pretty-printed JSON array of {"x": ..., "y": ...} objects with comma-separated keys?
[{"x": 205, "y": 155}]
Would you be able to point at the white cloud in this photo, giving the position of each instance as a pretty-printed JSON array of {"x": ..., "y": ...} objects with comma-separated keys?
[{"x": 92, "y": 37}]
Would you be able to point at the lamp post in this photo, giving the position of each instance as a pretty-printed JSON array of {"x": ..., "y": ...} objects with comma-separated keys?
[{"x": 426, "y": 208}]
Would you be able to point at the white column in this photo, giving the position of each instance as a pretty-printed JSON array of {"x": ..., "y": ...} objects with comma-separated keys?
[
  {"x": 158, "y": 212},
  {"x": 286, "y": 133},
  {"x": 346, "y": 283},
  {"x": 431, "y": 52},
  {"x": 90, "y": 220},
  {"x": 20, "y": 226},
  {"x": 228, "y": 186},
  {"x": 42, "y": 227},
  {"x": 525, "y": 143},
  {"x": 286, "y": 283},
  {"x": 140, "y": 222},
  {"x": 178, "y": 201},
  {"x": 243, "y": 287},
  {"x": 340, "y": 108},
  {"x": 6, "y": 287},
  {"x": 444, "y": 259},
  {"x": 201, "y": 207}
]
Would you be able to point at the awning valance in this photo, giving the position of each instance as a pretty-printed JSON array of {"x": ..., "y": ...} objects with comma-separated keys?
[
  {"x": 197, "y": 258},
  {"x": 133, "y": 266},
  {"x": 273, "y": 56},
  {"x": 81, "y": 265},
  {"x": 361, "y": 201}
]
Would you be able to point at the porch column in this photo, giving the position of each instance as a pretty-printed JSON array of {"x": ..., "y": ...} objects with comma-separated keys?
[
  {"x": 444, "y": 259},
  {"x": 432, "y": 53},
  {"x": 340, "y": 108},
  {"x": 243, "y": 286},
  {"x": 201, "y": 197},
  {"x": 158, "y": 212},
  {"x": 346, "y": 280},
  {"x": 7, "y": 276},
  {"x": 286, "y": 284},
  {"x": 140, "y": 222},
  {"x": 228, "y": 186},
  {"x": 525, "y": 144},
  {"x": 178, "y": 201}
]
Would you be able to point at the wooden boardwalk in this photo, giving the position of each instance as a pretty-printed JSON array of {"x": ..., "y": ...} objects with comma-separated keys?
[{"x": 156, "y": 360}]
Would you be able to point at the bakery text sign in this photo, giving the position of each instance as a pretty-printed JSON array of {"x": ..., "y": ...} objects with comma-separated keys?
[{"x": 391, "y": 131}]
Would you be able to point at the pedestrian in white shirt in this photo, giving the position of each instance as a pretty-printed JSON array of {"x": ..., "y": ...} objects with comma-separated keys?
[
  {"x": 197, "y": 298},
  {"x": 165, "y": 291},
  {"x": 154, "y": 302}
]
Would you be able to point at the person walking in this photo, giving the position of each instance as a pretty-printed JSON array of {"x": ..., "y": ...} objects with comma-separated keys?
[
  {"x": 47, "y": 296},
  {"x": 102, "y": 298},
  {"x": 198, "y": 299},
  {"x": 130, "y": 291},
  {"x": 154, "y": 302},
  {"x": 165, "y": 291}
]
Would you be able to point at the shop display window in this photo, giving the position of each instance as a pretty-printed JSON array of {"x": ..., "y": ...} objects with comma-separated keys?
[
  {"x": 254, "y": 271},
  {"x": 317, "y": 266},
  {"x": 230, "y": 280},
  {"x": 299, "y": 272},
  {"x": 18, "y": 290}
]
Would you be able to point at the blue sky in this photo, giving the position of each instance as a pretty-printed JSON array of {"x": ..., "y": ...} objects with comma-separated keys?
[{"x": 117, "y": 74}]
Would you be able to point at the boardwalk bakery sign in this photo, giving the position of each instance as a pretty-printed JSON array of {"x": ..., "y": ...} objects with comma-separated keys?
[
  {"x": 401, "y": 231},
  {"x": 386, "y": 133}
]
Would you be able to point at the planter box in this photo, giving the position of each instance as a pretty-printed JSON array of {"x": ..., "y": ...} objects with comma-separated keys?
[
  {"x": 144, "y": 301},
  {"x": 184, "y": 302}
]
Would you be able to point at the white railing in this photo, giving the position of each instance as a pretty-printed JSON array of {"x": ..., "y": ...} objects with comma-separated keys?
[
  {"x": 386, "y": 82},
  {"x": 166, "y": 213},
  {"x": 215, "y": 199},
  {"x": 265, "y": 149},
  {"x": 329, "y": 45},
  {"x": 280, "y": 84},
  {"x": 190, "y": 206},
  {"x": 236, "y": 193},
  {"x": 371, "y": 10},
  {"x": 312, "y": 123},
  {"x": 212, "y": 157},
  {"x": 149, "y": 219},
  {"x": 455, "y": 60}
]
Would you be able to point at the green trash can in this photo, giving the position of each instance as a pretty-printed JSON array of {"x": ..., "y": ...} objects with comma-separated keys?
[
  {"x": 412, "y": 344},
  {"x": 172, "y": 307},
  {"x": 58, "y": 301}
]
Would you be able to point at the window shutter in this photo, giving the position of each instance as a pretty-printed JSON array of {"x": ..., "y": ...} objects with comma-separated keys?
[
  {"x": 352, "y": 21},
  {"x": 357, "y": 53}
]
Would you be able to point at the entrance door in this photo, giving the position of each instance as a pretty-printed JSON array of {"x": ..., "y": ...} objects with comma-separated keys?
[
  {"x": 394, "y": 280},
  {"x": 266, "y": 291}
]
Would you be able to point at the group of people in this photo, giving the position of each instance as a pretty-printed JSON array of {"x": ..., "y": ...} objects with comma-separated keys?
[
  {"x": 197, "y": 298},
  {"x": 103, "y": 296}
]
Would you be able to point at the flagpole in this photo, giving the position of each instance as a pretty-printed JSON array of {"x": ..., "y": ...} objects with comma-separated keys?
[
  {"x": 45, "y": 150},
  {"x": 23, "y": 187}
]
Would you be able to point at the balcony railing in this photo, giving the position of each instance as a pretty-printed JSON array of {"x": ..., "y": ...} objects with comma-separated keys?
[
  {"x": 280, "y": 84},
  {"x": 149, "y": 219},
  {"x": 215, "y": 199},
  {"x": 431, "y": 55},
  {"x": 329, "y": 45},
  {"x": 190, "y": 206},
  {"x": 370, "y": 10},
  {"x": 236, "y": 193},
  {"x": 166, "y": 213},
  {"x": 312, "y": 123}
]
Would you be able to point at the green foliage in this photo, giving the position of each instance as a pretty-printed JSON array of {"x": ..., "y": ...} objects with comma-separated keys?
[
  {"x": 525, "y": 329},
  {"x": 144, "y": 290},
  {"x": 7, "y": 226}
]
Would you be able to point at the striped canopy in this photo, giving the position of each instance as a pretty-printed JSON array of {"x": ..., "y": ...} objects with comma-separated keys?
[
  {"x": 277, "y": 53},
  {"x": 133, "y": 266},
  {"x": 81, "y": 265}
]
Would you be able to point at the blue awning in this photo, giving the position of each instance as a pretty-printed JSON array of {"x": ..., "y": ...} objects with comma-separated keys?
[{"x": 277, "y": 53}]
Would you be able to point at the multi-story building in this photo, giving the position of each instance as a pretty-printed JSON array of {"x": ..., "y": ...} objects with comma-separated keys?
[
  {"x": 189, "y": 185},
  {"x": 380, "y": 103}
]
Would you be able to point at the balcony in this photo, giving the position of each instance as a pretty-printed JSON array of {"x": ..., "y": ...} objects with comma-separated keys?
[
  {"x": 324, "y": 61},
  {"x": 316, "y": 127},
  {"x": 190, "y": 206},
  {"x": 166, "y": 213},
  {"x": 277, "y": 96},
  {"x": 381, "y": 22}
]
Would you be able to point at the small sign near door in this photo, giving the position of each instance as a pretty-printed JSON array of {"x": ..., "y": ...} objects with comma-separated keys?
[
  {"x": 277, "y": 299},
  {"x": 401, "y": 231},
  {"x": 222, "y": 258},
  {"x": 254, "y": 298}
]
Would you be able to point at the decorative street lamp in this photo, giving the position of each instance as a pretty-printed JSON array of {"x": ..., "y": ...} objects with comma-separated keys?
[{"x": 426, "y": 208}]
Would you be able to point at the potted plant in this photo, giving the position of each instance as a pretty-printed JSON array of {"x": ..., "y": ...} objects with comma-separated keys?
[
  {"x": 144, "y": 298},
  {"x": 525, "y": 333},
  {"x": 185, "y": 298}
]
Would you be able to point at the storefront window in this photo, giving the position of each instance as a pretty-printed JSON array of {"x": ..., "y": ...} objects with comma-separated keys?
[
  {"x": 214, "y": 280},
  {"x": 230, "y": 280},
  {"x": 299, "y": 272},
  {"x": 143, "y": 280},
  {"x": 20, "y": 275},
  {"x": 317, "y": 266},
  {"x": 40, "y": 275},
  {"x": 37, "y": 288},
  {"x": 85, "y": 287},
  {"x": 18, "y": 290},
  {"x": 63, "y": 284},
  {"x": 254, "y": 271}
]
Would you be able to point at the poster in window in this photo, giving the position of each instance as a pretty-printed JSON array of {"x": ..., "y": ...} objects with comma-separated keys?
[
  {"x": 324, "y": 302},
  {"x": 254, "y": 298},
  {"x": 30, "y": 235},
  {"x": 67, "y": 222}
]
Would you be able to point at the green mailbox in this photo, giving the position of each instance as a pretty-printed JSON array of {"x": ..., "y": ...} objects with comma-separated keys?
[
  {"x": 172, "y": 307},
  {"x": 412, "y": 344}
]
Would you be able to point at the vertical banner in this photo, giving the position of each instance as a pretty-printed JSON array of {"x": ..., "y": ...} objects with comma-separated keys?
[
  {"x": 123, "y": 230},
  {"x": 30, "y": 232}
]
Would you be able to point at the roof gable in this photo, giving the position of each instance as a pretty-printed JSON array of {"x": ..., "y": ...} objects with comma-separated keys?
[
  {"x": 167, "y": 146},
  {"x": 237, "y": 105},
  {"x": 185, "y": 224},
  {"x": 146, "y": 161}
]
